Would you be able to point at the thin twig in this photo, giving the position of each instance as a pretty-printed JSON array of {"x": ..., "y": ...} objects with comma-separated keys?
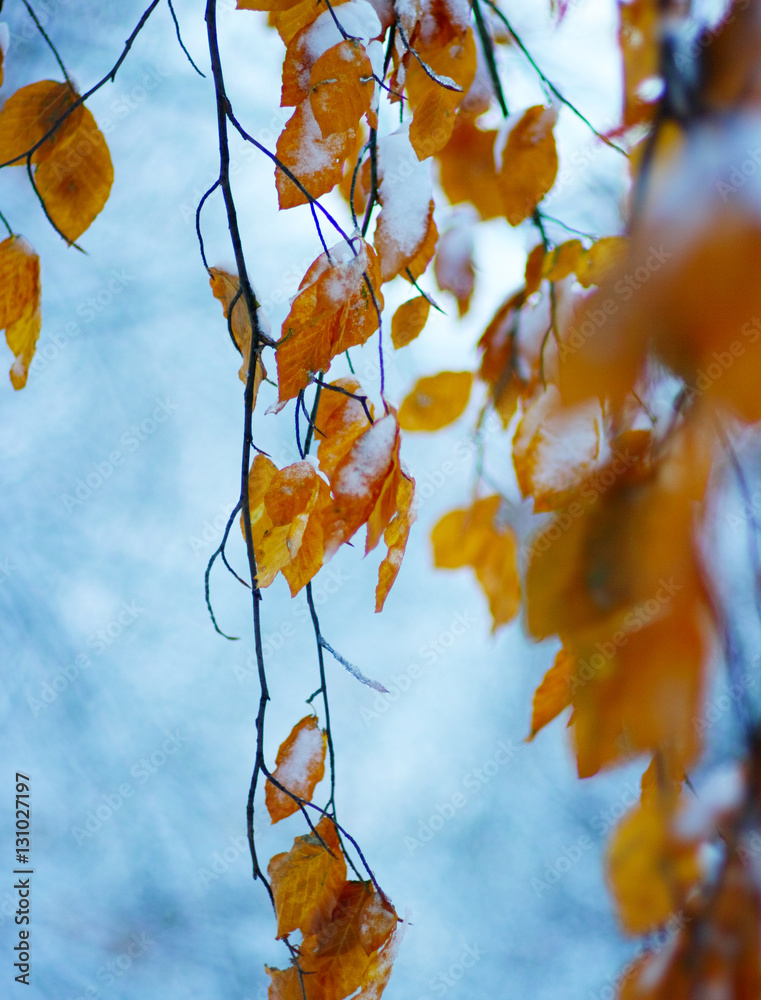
[
  {"x": 52, "y": 47},
  {"x": 5, "y": 223},
  {"x": 426, "y": 296},
  {"x": 179, "y": 39}
]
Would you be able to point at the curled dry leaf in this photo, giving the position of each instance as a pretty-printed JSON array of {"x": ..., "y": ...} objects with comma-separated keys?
[{"x": 225, "y": 287}]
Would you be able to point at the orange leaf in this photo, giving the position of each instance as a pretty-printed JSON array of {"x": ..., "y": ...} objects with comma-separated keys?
[
  {"x": 307, "y": 880},
  {"x": 395, "y": 537},
  {"x": 534, "y": 269},
  {"x": 554, "y": 693},
  {"x": 285, "y": 984},
  {"x": 299, "y": 766},
  {"x": 435, "y": 401},
  {"x": 600, "y": 258},
  {"x": 333, "y": 310},
  {"x": 408, "y": 321},
  {"x": 468, "y": 171},
  {"x": 405, "y": 233},
  {"x": 30, "y": 113},
  {"x": 74, "y": 175},
  {"x": 286, "y": 509},
  {"x": 19, "y": 303},
  {"x": 529, "y": 163},
  {"x": 225, "y": 287},
  {"x": 498, "y": 363},
  {"x": 358, "y": 481},
  {"x": 22, "y": 337},
  {"x": 341, "y": 87},
  {"x": 339, "y": 421},
  {"x": 315, "y": 160},
  {"x": 451, "y": 54},
  {"x": 378, "y": 972}
]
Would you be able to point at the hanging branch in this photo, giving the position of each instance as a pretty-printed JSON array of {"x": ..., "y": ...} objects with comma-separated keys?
[{"x": 223, "y": 106}]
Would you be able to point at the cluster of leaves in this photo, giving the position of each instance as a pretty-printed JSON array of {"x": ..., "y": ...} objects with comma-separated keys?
[
  {"x": 601, "y": 368},
  {"x": 46, "y": 126}
]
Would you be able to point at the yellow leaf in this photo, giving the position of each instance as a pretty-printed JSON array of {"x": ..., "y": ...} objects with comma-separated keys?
[
  {"x": 563, "y": 260},
  {"x": 649, "y": 870},
  {"x": 30, "y": 113},
  {"x": 546, "y": 468},
  {"x": 409, "y": 320},
  {"x": 473, "y": 537},
  {"x": 435, "y": 401},
  {"x": 299, "y": 767},
  {"x": 452, "y": 56},
  {"x": 307, "y": 880},
  {"x": 75, "y": 176},
  {"x": 599, "y": 259}
]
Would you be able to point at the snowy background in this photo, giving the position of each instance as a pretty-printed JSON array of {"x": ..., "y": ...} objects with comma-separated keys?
[{"x": 120, "y": 463}]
